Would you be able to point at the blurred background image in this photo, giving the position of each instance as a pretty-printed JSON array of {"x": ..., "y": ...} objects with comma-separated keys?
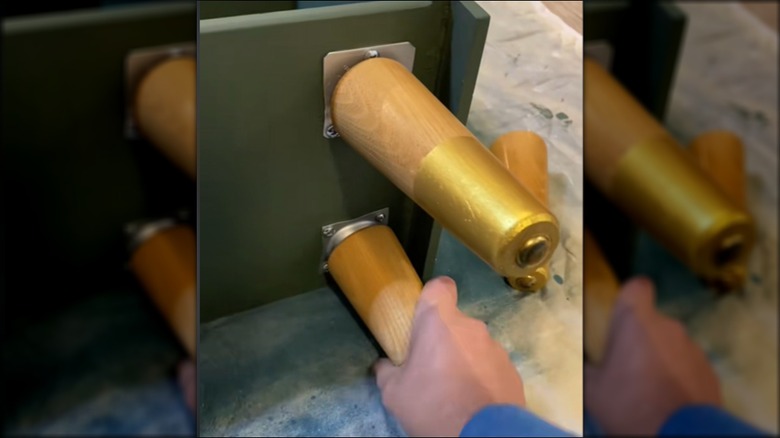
[
  {"x": 99, "y": 268},
  {"x": 681, "y": 167}
]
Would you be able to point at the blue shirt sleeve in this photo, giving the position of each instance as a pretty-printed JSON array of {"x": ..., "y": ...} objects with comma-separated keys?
[
  {"x": 509, "y": 420},
  {"x": 590, "y": 427},
  {"x": 703, "y": 420}
]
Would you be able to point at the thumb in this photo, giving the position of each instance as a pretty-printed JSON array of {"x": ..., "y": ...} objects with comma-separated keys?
[
  {"x": 637, "y": 294},
  {"x": 636, "y": 297},
  {"x": 591, "y": 381},
  {"x": 590, "y": 374},
  {"x": 385, "y": 371},
  {"x": 440, "y": 292}
]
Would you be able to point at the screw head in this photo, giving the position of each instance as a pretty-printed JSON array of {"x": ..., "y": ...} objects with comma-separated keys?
[
  {"x": 372, "y": 54},
  {"x": 330, "y": 132},
  {"x": 729, "y": 250},
  {"x": 533, "y": 252},
  {"x": 380, "y": 217},
  {"x": 325, "y": 267},
  {"x": 527, "y": 282},
  {"x": 328, "y": 231}
]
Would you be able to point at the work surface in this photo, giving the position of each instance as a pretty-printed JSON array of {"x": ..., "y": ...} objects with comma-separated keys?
[
  {"x": 104, "y": 366},
  {"x": 301, "y": 366}
]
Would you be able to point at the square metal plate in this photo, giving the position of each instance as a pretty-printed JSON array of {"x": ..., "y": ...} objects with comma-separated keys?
[
  {"x": 137, "y": 64},
  {"x": 336, "y": 64}
]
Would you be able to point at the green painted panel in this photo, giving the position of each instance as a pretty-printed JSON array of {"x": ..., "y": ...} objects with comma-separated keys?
[
  {"x": 304, "y": 4},
  {"x": 466, "y": 53},
  {"x": 227, "y": 8},
  {"x": 72, "y": 180},
  {"x": 467, "y": 36},
  {"x": 268, "y": 180},
  {"x": 646, "y": 38}
]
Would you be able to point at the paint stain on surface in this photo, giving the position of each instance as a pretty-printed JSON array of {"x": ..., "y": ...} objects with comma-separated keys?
[
  {"x": 564, "y": 118},
  {"x": 544, "y": 111},
  {"x": 749, "y": 114},
  {"x": 558, "y": 279},
  {"x": 756, "y": 279}
]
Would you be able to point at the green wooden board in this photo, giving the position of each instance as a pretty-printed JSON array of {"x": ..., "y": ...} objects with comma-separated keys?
[
  {"x": 226, "y": 8},
  {"x": 268, "y": 179},
  {"x": 646, "y": 38},
  {"x": 71, "y": 179}
]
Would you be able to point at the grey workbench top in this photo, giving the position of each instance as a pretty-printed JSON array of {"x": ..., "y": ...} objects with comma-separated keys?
[{"x": 301, "y": 366}]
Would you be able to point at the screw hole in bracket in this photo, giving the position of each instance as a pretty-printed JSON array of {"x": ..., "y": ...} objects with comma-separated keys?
[
  {"x": 335, "y": 64},
  {"x": 335, "y": 233}
]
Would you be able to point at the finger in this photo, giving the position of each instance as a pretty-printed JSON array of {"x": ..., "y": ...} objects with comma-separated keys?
[
  {"x": 438, "y": 301},
  {"x": 592, "y": 389},
  {"x": 637, "y": 294},
  {"x": 384, "y": 370},
  {"x": 440, "y": 292},
  {"x": 636, "y": 297},
  {"x": 187, "y": 382},
  {"x": 590, "y": 379}
]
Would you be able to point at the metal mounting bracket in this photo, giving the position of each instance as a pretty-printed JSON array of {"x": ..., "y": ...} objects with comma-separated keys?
[
  {"x": 335, "y": 233},
  {"x": 139, "y": 62},
  {"x": 335, "y": 64}
]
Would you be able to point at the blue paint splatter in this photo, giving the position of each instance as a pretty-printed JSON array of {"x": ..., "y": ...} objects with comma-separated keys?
[
  {"x": 558, "y": 279},
  {"x": 516, "y": 356}
]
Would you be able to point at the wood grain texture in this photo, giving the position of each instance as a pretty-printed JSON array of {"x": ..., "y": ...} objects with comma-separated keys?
[
  {"x": 385, "y": 113},
  {"x": 614, "y": 122},
  {"x": 524, "y": 154},
  {"x": 165, "y": 110},
  {"x": 722, "y": 156},
  {"x": 373, "y": 271},
  {"x": 569, "y": 12},
  {"x": 600, "y": 291},
  {"x": 165, "y": 264}
]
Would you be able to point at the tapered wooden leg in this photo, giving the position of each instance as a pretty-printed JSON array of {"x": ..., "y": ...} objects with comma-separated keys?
[
  {"x": 372, "y": 269},
  {"x": 524, "y": 154}
]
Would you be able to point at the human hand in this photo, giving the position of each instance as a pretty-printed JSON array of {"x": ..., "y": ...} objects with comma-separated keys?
[
  {"x": 186, "y": 377},
  {"x": 651, "y": 368},
  {"x": 453, "y": 369}
]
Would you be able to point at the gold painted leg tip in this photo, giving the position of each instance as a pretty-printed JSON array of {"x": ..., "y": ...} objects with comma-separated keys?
[{"x": 530, "y": 283}]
